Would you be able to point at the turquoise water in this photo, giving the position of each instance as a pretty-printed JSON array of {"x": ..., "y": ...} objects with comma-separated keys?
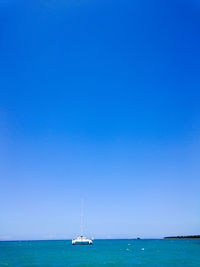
[{"x": 101, "y": 253}]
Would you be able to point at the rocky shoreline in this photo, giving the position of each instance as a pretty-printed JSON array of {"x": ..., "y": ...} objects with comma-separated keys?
[{"x": 182, "y": 237}]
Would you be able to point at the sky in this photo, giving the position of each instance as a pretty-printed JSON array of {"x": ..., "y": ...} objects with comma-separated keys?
[{"x": 99, "y": 100}]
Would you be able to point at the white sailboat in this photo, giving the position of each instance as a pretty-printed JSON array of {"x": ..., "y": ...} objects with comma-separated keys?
[{"x": 81, "y": 240}]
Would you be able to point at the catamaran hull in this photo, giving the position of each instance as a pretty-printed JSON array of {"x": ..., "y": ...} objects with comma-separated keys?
[{"x": 81, "y": 243}]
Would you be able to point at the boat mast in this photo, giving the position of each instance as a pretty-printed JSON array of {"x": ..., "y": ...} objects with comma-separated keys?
[{"x": 82, "y": 203}]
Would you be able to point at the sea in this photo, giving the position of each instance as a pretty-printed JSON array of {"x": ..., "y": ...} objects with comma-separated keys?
[{"x": 123, "y": 252}]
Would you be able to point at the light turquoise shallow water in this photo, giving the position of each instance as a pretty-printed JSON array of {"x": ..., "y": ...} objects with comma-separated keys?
[{"x": 101, "y": 253}]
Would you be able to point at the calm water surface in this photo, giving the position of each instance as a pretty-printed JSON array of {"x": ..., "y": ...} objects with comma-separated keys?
[{"x": 101, "y": 253}]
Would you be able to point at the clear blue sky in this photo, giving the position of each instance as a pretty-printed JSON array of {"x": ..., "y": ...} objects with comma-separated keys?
[{"x": 99, "y": 99}]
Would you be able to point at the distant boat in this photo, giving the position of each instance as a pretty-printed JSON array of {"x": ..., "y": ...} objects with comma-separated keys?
[{"x": 81, "y": 240}]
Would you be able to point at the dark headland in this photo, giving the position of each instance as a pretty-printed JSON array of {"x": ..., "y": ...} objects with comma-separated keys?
[{"x": 182, "y": 237}]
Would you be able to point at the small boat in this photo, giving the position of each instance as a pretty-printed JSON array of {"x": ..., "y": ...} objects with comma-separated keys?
[{"x": 81, "y": 240}]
